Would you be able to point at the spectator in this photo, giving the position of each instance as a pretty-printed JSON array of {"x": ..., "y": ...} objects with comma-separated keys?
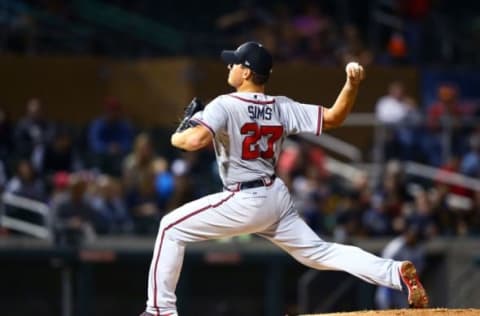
[
  {"x": 60, "y": 155},
  {"x": 452, "y": 165},
  {"x": 59, "y": 183},
  {"x": 311, "y": 196},
  {"x": 392, "y": 192},
  {"x": 164, "y": 182},
  {"x": 453, "y": 204},
  {"x": 77, "y": 220},
  {"x": 401, "y": 120},
  {"x": 181, "y": 169},
  {"x": 387, "y": 32},
  {"x": 32, "y": 132},
  {"x": 414, "y": 13},
  {"x": 409, "y": 133},
  {"x": 25, "y": 182},
  {"x": 387, "y": 202},
  {"x": 422, "y": 217},
  {"x": 302, "y": 167},
  {"x": 361, "y": 185},
  {"x": 446, "y": 106},
  {"x": 397, "y": 49},
  {"x": 405, "y": 247},
  {"x": 349, "y": 217},
  {"x": 470, "y": 164},
  {"x": 138, "y": 164},
  {"x": 110, "y": 138},
  {"x": 376, "y": 220},
  {"x": 139, "y": 176},
  {"x": 445, "y": 131},
  {"x": 145, "y": 206},
  {"x": 392, "y": 108},
  {"x": 108, "y": 200},
  {"x": 445, "y": 219}
]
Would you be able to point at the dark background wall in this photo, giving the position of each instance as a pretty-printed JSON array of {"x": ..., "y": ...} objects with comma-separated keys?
[
  {"x": 154, "y": 91},
  {"x": 258, "y": 279}
]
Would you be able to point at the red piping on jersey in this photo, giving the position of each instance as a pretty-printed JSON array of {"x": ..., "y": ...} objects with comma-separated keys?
[
  {"x": 204, "y": 124},
  {"x": 155, "y": 305},
  {"x": 252, "y": 101},
  {"x": 319, "y": 120}
]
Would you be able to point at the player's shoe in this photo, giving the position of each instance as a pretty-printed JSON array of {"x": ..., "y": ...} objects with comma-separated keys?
[
  {"x": 146, "y": 314},
  {"x": 417, "y": 296}
]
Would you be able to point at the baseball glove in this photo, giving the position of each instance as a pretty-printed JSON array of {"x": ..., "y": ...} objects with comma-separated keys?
[{"x": 194, "y": 106}]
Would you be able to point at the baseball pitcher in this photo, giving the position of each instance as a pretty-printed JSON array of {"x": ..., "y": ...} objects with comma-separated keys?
[{"x": 247, "y": 129}]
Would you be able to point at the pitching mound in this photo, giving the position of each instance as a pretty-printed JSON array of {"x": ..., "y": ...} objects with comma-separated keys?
[{"x": 410, "y": 312}]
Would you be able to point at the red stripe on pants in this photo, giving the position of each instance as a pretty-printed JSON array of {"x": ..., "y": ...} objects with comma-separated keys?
[{"x": 161, "y": 242}]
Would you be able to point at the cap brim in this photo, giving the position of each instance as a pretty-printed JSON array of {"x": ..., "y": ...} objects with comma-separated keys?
[{"x": 229, "y": 57}]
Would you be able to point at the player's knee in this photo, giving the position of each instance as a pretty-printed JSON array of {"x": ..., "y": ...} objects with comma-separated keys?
[
  {"x": 306, "y": 260},
  {"x": 166, "y": 222}
]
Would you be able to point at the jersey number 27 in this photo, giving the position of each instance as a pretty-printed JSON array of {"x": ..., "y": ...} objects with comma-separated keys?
[{"x": 250, "y": 146}]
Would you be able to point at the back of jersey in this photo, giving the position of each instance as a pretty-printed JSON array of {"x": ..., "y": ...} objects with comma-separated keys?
[{"x": 249, "y": 129}]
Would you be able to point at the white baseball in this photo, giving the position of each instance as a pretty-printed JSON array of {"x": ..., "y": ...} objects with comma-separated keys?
[{"x": 352, "y": 66}]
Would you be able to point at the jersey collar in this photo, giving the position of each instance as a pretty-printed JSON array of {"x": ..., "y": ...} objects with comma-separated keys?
[{"x": 250, "y": 99}]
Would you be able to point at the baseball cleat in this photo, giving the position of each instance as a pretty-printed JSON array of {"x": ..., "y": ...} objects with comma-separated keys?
[
  {"x": 417, "y": 296},
  {"x": 146, "y": 314}
]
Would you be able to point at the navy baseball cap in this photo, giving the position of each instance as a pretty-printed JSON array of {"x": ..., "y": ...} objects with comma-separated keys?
[{"x": 252, "y": 55}]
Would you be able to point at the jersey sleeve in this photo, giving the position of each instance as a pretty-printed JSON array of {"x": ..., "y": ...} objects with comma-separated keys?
[
  {"x": 214, "y": 116},
  {"x": 301, "y": 118}
]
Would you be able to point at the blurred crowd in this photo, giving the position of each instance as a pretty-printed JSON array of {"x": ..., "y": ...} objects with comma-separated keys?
[
  {"x": 111, "y": 178},
  {"x": 329, "y": 32},
  {"x": 447, "y": 129},
  {"x": 397, "y": 204},
  {"x": 106, "y": 178}
]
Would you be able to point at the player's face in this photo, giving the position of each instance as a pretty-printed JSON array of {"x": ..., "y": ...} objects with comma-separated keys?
[{"x": 237, "y": 75}]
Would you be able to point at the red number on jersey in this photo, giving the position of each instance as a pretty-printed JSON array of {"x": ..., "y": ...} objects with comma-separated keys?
[
  {"x": 250, "y": 147},
  {"x": 273, "y": 133}
]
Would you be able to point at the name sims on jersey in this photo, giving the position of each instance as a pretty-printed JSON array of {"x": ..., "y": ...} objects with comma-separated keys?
[{"x": 259, "y": 112}]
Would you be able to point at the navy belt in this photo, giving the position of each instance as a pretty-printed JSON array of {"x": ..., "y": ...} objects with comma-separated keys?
[{"x": 264, "y": 182}]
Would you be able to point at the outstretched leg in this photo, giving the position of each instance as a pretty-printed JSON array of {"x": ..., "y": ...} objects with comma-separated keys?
[
  {"x": 293, "y": 235},
  {"x": 214, "y": 216}
]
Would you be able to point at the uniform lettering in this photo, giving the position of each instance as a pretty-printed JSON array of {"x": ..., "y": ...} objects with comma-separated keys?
[
  {"x": 260, "y": 112},
  {"x": 251, "y": 112},
  {"x": 251, "y": 149}
]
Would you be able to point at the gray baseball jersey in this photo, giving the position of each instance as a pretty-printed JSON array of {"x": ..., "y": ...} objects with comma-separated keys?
[{"x": 249, "y": 129}]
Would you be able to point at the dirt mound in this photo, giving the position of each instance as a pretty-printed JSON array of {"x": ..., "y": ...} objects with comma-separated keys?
[{"x": 410, "y": 312}]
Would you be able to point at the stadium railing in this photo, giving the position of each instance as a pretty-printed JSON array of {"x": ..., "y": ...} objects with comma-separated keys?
[{"x": 42, "y": 230}]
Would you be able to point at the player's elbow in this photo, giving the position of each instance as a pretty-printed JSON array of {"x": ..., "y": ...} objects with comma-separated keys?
[
  {"x": 190, "y": 143},
  {"x": 175, "y": 140},
  {"x": 178, "y": 140},
  {"x": 192, "y": 139},
  {"x": 194, "y": 143}
]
